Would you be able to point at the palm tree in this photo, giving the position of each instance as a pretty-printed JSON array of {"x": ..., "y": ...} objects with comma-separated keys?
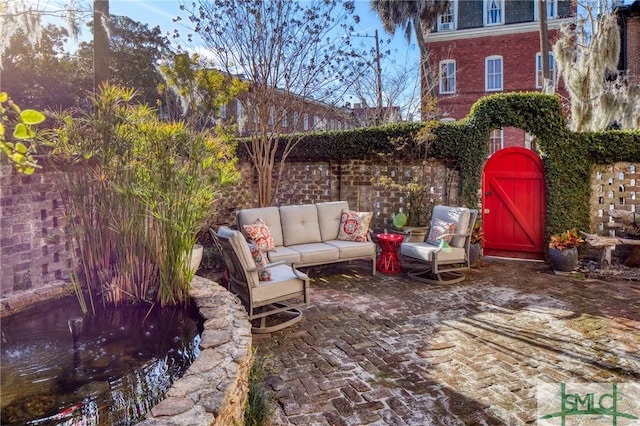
[
  {"x": 100, "y": 43},
  {"x": 412, "y": 15}
]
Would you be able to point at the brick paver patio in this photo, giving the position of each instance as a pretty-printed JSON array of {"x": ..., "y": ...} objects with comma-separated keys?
[{"x": 386, "y": 350}]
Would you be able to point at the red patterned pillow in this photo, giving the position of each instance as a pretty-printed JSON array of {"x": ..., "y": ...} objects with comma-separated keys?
[
  {"x": 261, "y": 260},
  {"x": 441, "y": 227},
  {"x": 354, "y": 225},
  {"x": 259, "y": 234}
]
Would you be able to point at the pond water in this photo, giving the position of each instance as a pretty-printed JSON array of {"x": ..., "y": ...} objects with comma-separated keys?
[{"x": 60, "y": 367}]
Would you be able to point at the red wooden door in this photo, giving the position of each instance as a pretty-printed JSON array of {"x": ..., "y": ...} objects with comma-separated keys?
[{"x": 513, "y": 204}]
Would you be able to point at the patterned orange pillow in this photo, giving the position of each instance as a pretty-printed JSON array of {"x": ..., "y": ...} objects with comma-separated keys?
[
  {"x": 354, "y": 225},
  {"x": 441, "y": 227},
  {"x": 261, "y": 260},
  {"x": 259, "y": 233}
]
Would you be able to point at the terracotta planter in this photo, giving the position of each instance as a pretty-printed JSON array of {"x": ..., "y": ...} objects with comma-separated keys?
[
  {"x": 564, "y": 260},
  {"x": 418, "y": 233}
]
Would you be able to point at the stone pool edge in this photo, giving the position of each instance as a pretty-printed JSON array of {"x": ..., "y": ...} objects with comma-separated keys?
[{"x": 214, "y": 389}]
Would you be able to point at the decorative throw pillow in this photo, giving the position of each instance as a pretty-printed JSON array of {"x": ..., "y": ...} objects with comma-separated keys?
[
  {"x": 441, "y": 227},
  {"x": 261, "y": 260},
  {"x": 259, "y": 234},
  {"x": 354, "y": 225}
]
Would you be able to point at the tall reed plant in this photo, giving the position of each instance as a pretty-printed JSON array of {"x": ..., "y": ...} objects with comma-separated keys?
[{"x": 138, "y": 193}]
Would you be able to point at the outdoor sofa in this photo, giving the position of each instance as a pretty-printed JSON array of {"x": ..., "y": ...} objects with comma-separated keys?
[{"x": 310, "y": 234}]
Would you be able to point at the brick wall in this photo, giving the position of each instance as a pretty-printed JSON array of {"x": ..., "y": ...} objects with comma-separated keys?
[
  {"x": 633, "y": 49},
  {"x": 33, "y": 253},
  {"x": 32, "y": 250},
  {"x": 614, "y": 187}
]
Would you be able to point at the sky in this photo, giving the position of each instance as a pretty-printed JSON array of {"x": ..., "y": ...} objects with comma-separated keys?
[{"x": 162, "y": 12}]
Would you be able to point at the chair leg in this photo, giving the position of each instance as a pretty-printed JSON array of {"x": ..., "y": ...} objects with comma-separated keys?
[
  {"x": 276, "y": 308},
  {"x": 426, "y": 275}
]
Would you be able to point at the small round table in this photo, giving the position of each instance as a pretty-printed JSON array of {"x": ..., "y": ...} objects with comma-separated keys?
[{"x": 389, "y": 261}]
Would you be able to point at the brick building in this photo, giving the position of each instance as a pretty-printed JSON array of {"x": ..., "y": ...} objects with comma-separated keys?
[
  {"x": 630, "y": 41},
  {"x": 482, "y": 47},
  {"x": 289, "y": 114}
]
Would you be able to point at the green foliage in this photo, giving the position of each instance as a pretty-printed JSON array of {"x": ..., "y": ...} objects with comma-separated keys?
[
  {"x": 201, "y": 91},
  {"x": 259, "y": 400},
  {"x": 565, "y": 240},
  {"x": 141, "y": 191},
  {"x": 13, "y": 145},
  {"x": 568, "y": 157}
]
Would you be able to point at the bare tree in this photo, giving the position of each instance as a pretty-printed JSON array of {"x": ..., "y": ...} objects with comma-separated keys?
[
  {"x": 587, "y": 55},
  {"x": 290, "y": 54}
]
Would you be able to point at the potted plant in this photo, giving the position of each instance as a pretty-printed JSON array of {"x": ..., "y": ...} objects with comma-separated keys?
[
  {"x": 563, "y": 250},
  {"x": 419, "y": 208},
  {"x": 475, "y": 249}
]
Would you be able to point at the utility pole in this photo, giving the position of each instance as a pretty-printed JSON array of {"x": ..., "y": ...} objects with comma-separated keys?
[
  {"x": 378, "y": 70},
  {"x": 378, "y": 81}
]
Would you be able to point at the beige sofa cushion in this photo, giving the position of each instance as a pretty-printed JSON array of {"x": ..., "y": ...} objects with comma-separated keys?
[
  {"x": 269, "y": 215},
  {"x": 299, "y": 224},
  {"x": 317, "y": 253},
  {"x": 353, "y": 249},
  {"x": 283, "y": 253},
  {"x": 329, "y": 215}
]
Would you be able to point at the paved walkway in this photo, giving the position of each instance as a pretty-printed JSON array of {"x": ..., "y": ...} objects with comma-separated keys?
[{"x": 386, "y": 350}]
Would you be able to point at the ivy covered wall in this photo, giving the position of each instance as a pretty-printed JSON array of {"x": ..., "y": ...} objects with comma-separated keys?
[{"x": 569, "y": 158}]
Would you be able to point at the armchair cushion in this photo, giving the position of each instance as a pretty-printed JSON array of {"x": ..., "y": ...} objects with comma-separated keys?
[
  {"x": 354, "y": 226},
  {"x": 438, "y": 228},
  {"x": 424, "y": 252},
  {"x": 259, "y": 233}
]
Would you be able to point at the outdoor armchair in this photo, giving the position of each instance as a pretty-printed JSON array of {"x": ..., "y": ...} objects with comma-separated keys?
[
  {"x": 445, "y": 253},
  {"x": 274, "y": 303}
]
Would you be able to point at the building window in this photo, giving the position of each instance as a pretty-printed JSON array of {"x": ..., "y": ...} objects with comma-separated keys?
[
  {"x": 552, "y": 70},
  {"x": 493, "y": 67},
  {"x": 305, "y": 122},
  {"x": 447, "y": 20},
  {"x": 316, "y": 122},
  {"x": 223, "y": 111},
  {"x": 271, "y": 118},
  {"x": 552, "y": 9},
  {"x": 494, "y": 12},
  {"x": 239, "y": 114},
  {"x": 295, "y": 120},
  {"x": 447, "y": 76},
  {"x": 495, "y": 141},
  {"x": 284, "y": 119}
]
